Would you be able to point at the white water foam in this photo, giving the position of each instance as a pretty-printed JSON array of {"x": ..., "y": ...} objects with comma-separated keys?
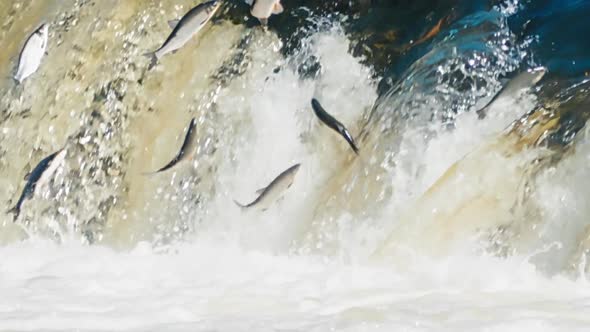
[
  {"x": 207, "y": 286},
  {"x": 275, "y": 129}
]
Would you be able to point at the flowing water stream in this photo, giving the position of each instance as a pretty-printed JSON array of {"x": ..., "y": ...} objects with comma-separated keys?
[{"x": 443, "y": 222}]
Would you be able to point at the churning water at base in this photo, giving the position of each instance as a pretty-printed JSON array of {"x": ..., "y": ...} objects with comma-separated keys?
[
  {"x": 444, "y": 222},
  {"x": 212, "y": 286}
]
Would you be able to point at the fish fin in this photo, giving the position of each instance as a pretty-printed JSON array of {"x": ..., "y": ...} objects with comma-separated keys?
[
  {"x": 15, "y": 211},
  {"x": 520, "y": 98},
  {"x": 263, "y": 21},
  {"x": 482, "y": 112},
  {"x": 260, "y": 191},
  {"x": 173, "y": 23},
  {"x": 27, "y": 176},
  {"x": 15, "y": 80},
  {"x": 277, "y": 8},
  {"x": 153, "y": 59}
]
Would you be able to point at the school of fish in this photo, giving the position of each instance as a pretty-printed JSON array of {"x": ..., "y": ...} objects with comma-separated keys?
[{"x": 183, "y": 30}]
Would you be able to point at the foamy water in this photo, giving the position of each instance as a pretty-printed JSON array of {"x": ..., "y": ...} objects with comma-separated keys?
[{"x": 213, "y": 286}]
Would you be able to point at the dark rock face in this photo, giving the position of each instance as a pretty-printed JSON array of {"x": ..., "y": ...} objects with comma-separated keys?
[{"x": 381, "y": 31}]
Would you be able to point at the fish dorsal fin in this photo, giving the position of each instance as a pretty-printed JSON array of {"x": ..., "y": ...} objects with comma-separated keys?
[
  {"x": 173, "y": 23},
  {"x": 260, "y": 191},
  {"x": 27, "y": 176},
  {"x": 277, "y": 8}
]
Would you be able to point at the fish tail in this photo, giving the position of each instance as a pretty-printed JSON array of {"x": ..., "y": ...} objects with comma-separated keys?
[
  {"x": 354, "y": 148},
  {"x": 481, "y": 113},
  {"x": 153, "y": 59},
  {"x": 15, "y": 211},
  {"x": 263, "y": 22},
  {"x": 14, "y": 79},
  {"x": 349, "y": 139}
]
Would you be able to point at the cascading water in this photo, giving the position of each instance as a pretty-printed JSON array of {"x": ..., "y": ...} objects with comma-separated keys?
[{"x": 444, "y": 222}]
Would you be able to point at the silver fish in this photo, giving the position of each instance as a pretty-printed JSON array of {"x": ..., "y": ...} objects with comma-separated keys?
[
  {"x": 274, "y": 190},
  {"x": 32, "y": 53},
  {"x": 187, "y": 151},
  {"x": 519, "y": 84},
  {"x": 263, "y": 9},
  {"x": 334, "y": 124},
  {"x": 39, "y": 177},
  {"x": 185, "y": 28}
]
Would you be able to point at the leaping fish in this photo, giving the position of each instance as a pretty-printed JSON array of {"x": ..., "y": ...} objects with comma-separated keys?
[
  {"x": 185, "y": 28},
  {"x": 186, "y": 151},
  {"x": 520, "y": 83},
  {"x": 263, "y": 9},
  {"x": 32, "y": 53},
  {"x": 39, "y": 176},
  {"x": 334, "y": 124},
  {"x": 274, "y": 190}
]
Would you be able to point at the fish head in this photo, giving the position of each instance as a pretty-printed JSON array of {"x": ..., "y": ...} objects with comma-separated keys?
[
  {"x": 292, "y": 172},
  {"x": 537, "y": 74},
  {"x": 213, "y": 5},
  {"x": 44, "y": 29},
  {"x": 263, "y": 9},
  {"x": 295, "y": 168},
  {"x": 61, "y": 155},
  {"x": 277, "y": 8},
  {"x": 315, "y": 104}
]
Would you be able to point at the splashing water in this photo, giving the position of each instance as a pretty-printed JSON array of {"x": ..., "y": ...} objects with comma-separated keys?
[{"x": 445, "y": 222}]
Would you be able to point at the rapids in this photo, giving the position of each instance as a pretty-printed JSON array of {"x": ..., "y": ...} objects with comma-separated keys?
[{"x": 444, "y": 222}]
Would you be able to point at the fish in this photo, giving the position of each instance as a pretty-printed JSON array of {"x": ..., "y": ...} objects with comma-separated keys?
[
  {"x": 37, "y": 178},
  {"x": 274, "y": 191},
  {"x": 184, "y": 29},
  {"x": 431, "y": 33},
  {"x": 32, "y": 53},
  {"x": 187, "y": 150},
  {"x": 263, "y": 9},
  {"x": 334, "y": 124},
  {"x": 517, "y": 85}
]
